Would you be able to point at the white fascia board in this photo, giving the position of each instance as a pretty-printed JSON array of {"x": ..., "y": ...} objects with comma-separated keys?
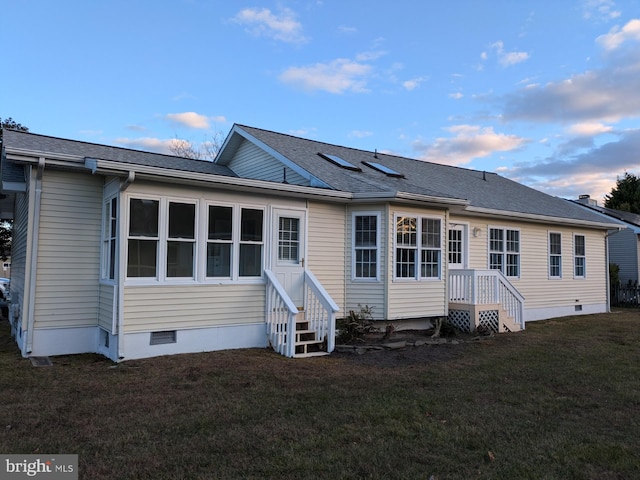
[
  {"x": 530, "y": 217},
  {"x": 281, "y": 158},
  {"x": 32, "y": 157},
  {"x": 108, "y": 167},
  {"x": 409, "y": 197}
]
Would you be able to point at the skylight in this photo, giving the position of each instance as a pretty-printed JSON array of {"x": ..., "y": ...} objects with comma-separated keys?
[
  {"x": 336, "y": 160},
  {"x": 389, "y": 172}
]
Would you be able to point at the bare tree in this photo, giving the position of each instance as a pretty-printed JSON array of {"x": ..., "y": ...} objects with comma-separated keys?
[{"x": 206, "y": 150}]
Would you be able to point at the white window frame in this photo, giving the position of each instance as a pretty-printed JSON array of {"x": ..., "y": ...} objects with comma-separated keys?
[
  {"x": 582, "y": 256},
  {"x": 505, "y": 252},
  {"x": 355, "y": 248},
  {"x": 162, "y": 240},
  {"x": 235, "y": 242},
  {"x": 554, "y": 255},
  {"x": 418, "y": 248},
  {"x": 109, "y": 236}
]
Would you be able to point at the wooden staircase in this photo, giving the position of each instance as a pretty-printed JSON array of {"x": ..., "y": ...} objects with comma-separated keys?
[{"x": 306, "y": 343}]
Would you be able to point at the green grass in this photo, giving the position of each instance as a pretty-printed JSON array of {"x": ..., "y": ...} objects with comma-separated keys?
[{"x": 558, "y": 401}]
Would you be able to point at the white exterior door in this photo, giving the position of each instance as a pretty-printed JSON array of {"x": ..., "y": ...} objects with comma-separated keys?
[
  {"x": 457, "y": 246},
  {"x": 288, "y": 251}
]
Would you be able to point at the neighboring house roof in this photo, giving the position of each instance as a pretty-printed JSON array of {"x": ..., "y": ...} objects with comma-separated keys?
[
  {"x": 630, "y": 220},
  {"x": 483, "y": 192}
]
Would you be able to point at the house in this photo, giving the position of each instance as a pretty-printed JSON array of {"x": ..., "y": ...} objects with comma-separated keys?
[
  {"x": 624, "y": 245},
  {"x": 133, "y": 254}
]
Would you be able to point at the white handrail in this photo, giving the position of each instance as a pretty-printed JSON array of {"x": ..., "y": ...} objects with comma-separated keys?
[
  {"x": 280, "y": 316},
  {"x": 321, "y": 318}
]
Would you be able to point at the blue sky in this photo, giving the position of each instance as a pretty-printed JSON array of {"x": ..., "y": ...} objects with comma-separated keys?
[{"x": 544, "y": 92}]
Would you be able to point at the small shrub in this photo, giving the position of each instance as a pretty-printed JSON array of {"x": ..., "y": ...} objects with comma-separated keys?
[{"x": 356, "y": 325}]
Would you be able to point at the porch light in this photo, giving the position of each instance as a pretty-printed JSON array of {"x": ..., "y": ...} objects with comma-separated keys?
[{"x": 477, "y": 231}]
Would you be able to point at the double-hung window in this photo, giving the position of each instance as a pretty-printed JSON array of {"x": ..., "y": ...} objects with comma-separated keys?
[
  {"x": 418, "y": 247},
  {"x": 181, "y": 240},
  {"x": 109, "y": 239},
  {"x": 235, "y": 242},
  {"x": 504, "y": 251},
  {"x": 161, "y": 239},
  {"x": 579, "y": 256},
  {"x": 365, "y": 246},
  {"x": 555, "y": 255},
  {"x": 142, "y": 253}
]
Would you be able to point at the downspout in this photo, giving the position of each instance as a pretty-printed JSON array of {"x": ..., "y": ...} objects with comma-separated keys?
[
  {"x": 35, "y": 234},
  {"x": 121, "y": 263}
]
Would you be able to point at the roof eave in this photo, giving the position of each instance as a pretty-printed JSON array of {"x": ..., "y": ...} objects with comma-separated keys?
[{"x": 535, "y": 218}]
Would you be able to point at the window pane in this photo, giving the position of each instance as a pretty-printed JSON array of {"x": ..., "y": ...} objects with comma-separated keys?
[
  {"x": 219, "y": 260},
  {"x": 580, "y": 261},
  {"x": 554, "y": 266},
  {"x": 250, "y": 260},
  {"x": 430, "y": 264},
  {"x": 513, "y": 241},
  {"x": 555, "y": 245},
  {"x": 142, "y": 258},
  {"x": 579, "y": 245},
  {"x": 496, "y": 240},
  {"x": 406, "y": 231},
  {"x": 288, "y": 239},
  {"x": 112, "y": 259},
  {"x": 430, "y": 233},
  {"x": 366, "y": 234},
  {"x": 251, "y": 225},
  {"x": 220, "y": 223},
  {"x": 366, "y": 263},
  {"x": 405, "y": 263},
  {"x": 513, "y": 265},
  {"x": 143, "y": 218},
  {"x": 180, "y": 259},
  {"x": 182, "y": 220},
  {"x": 495, "y": 261}
]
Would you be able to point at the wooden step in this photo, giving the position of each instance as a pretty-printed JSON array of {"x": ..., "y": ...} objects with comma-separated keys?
[{"x": 310, "y": 354}]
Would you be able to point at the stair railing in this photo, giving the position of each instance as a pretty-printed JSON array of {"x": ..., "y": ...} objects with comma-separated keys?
[
  {"x": 280, "y": 316},
  {"x": 320, "y": 310}
]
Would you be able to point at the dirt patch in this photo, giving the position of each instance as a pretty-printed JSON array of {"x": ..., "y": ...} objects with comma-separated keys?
[{"x": 406, "y": 347}]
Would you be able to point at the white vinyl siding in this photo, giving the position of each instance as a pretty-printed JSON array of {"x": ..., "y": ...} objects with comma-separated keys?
[
  {"x": 414, "y": 299},
  {"x": 534, "y": 284},
  {"x": 177, "y": 307},
  {"x": 68, "y": 269},
  {"x": 106, "y": 309},
  {"x": 19, "y": 248},
  {"x": 253, "y": 162},
  {"x": 326, "y": 241}
]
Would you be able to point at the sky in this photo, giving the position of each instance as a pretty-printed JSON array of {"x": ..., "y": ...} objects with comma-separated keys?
[{"x": 546, "y": 93}]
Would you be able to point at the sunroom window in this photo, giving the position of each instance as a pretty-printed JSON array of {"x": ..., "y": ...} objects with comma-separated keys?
[
  {"x": 418, "y": 247},
  {"x": 143, "y": 238},
  {"x": 181, "y": 240}
]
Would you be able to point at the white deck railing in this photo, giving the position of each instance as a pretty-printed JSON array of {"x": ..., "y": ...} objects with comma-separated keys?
[
  {"x": 483, "y": 287},
  {"x": 320, "y": 314},
  {"x": 320, "y": 310},
  {"x": 280, "y": 316}
]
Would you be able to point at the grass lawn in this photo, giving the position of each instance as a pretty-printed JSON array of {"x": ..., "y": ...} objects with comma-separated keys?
[{"x": 558, "y": 401}]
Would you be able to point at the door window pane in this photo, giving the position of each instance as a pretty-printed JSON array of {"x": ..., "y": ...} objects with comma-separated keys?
[{"x": 288, "y": 239}]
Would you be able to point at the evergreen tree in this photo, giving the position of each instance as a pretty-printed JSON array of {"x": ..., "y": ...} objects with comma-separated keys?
[{"x": 625, "y": 195}]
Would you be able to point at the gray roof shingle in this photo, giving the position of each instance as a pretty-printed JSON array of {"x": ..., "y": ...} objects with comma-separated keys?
[
  {"x": 481, "y": 189},
  {"x": 42, "y": 143}
]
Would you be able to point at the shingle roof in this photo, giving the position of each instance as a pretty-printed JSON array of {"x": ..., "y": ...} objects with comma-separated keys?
[
  {"x": 628, "y": 217},
  {"x": 42, "y": 143},
  {"x": 481, "y": 189}
]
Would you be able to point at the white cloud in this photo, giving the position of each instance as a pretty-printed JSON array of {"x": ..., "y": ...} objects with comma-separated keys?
[
  {"x": 190, "y": 119},
  {"x": 589, "y": 129},
  {"x": 147, "y": 143},
  {"x": 360, "y": 133},
  {"x": 468, "y": 142},
  {"x": 339, "y": 76},
  {"x": 262, "y": 22},
  {"x": 617, "y": 36},
  {"x": 506, "y": 59},
  {"x": 413, "y": 83},
  {"x": 456, "y": 96},
  {"x": 599, "y": 9}
]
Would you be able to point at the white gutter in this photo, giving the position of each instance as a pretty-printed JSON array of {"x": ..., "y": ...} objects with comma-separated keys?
[
  {"x": 35, "y": 234},
  {"x": 539, "y": 218}
]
